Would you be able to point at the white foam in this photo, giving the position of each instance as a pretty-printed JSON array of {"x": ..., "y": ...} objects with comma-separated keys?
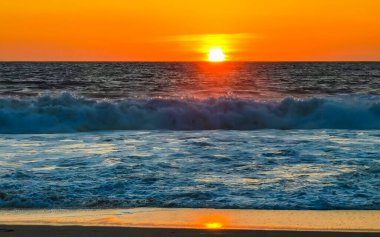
[{"x": 68, "y": 113}]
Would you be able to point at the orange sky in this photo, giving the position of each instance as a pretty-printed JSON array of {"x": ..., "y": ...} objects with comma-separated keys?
[{"x": 182, "y": 30}]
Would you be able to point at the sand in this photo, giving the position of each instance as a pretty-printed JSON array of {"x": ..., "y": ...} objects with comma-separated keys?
[
  {"x": 143, "y": 222},
  {"x": 77, "y": 231}
]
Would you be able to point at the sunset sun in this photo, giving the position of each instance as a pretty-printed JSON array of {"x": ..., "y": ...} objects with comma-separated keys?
[{"x": 216, "y": 54}]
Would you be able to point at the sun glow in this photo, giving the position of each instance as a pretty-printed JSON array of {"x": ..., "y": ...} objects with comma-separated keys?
[
  {"x": 214, "y": 225},
  {"x": 216, "y": 54}
]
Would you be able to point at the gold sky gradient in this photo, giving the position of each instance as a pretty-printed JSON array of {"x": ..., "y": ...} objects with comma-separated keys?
[{"x": 172, "y": 30}]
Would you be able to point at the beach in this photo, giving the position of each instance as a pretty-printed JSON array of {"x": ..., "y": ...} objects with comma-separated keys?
[
  {"x": 188, "y": 222},
  {"x": 79, "y": 231}
]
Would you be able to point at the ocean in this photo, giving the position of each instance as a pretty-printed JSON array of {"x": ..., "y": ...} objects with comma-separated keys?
[{"x": 194, "y": 135}]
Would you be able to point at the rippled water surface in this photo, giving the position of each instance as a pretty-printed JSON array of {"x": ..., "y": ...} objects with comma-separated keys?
[
  {"x": 200, "y": 80},
  {"x": 335, "y": 169},
  {"x": 230, "y": 135}
]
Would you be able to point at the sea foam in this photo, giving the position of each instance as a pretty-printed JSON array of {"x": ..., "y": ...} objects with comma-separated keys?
[{"x": 68, "y": 113}]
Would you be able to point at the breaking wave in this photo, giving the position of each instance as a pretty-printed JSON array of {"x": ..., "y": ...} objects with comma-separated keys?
[{"x": 68, "y": 113}]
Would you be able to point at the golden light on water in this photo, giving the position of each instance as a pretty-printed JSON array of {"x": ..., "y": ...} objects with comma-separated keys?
[
  {"x": 216, "y": 54},
  {"x": 213, "y": 225}
]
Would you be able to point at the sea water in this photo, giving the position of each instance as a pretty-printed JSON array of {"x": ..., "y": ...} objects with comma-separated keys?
[{"x": 224, "y": 135}]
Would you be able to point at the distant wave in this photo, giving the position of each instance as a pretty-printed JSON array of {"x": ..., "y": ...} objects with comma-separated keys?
[{"x": 67, "y": 113}]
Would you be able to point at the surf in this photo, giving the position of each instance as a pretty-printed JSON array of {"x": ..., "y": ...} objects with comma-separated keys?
[{"x": 68, "y": 113}]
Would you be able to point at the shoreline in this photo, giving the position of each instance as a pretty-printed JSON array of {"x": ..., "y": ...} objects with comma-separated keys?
[
  {"x": 193, "y": 220},
  {"x": 96, "y": 231}
]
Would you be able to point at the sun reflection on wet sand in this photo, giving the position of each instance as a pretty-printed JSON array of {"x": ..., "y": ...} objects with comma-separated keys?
[
  {"x": 212, "y": 220},
  {"x": 214, "y": 225},
  {"x": 200, "y": 219}
]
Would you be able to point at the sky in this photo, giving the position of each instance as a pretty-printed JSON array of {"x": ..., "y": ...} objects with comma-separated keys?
[{"x": 183, "y": 30}]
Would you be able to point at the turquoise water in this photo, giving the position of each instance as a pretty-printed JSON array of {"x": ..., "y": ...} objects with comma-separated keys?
[{"x": 263, "y": 169}]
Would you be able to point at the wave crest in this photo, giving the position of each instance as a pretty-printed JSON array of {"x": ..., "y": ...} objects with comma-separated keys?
[{"x": 68, "y": 113}]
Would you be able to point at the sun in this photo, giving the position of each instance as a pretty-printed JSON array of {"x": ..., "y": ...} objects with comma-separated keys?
[{"x": 216, "y": 54}]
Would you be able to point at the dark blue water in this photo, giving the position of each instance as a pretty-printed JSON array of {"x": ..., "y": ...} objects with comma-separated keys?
[{"x": 176, "y": 80}]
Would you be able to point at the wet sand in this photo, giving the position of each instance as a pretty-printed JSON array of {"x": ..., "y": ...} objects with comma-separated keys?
[{"x": 144, "y": 222}]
